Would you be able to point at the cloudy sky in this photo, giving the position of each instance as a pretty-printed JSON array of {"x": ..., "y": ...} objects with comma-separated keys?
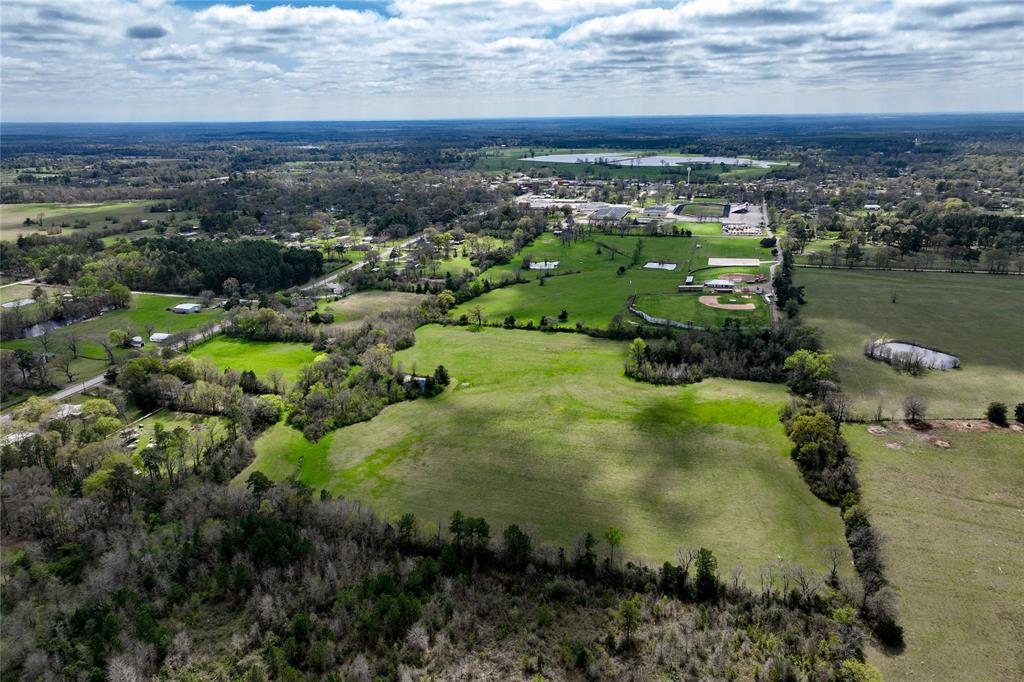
[{"x": 158, "y": 60}]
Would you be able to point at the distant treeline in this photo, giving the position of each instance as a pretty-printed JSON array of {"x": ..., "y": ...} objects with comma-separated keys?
[{"x": 184, "y": 266}]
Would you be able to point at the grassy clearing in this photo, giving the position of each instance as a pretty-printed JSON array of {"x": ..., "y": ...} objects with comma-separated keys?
[
  {"x": 544, "y": 430},
  {"x": 12, "y": 216},
  {"x": 359, "y": 306},
  {"x": 954, "y": 526},
  {"x": 597, "y": 293},
  {"x": 15, "y": 292},
  {"x": 194, "y": 423},
  {"x": 979, "y": 318},
  {"x": 145, "y": 309},
  {"x": 257, "y": 356}
]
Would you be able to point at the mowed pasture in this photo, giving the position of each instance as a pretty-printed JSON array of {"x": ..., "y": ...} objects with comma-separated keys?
[
  {"x": 145, "y": 309},
  {"x": 953, "y": 522},
  {"x": 544, "y": 430},
  {"x": 259, "y": 357},
  {"x": 587, "y": 285},
  {"x": 979, "y": 318},
  {"x": 12, "y": 216}
]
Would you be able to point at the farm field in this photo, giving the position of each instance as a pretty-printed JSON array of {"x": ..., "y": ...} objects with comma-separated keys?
[
  {"x": 560, "y": 441},
  {"x": 953, "y": 523},
  {"x": 12, "y": 216},
  {"x": 145, "y": 309},
  {"x": 597, "y": 293},
  {"x": 979, "y": 318},
  {"x": 258, "y": 356}
]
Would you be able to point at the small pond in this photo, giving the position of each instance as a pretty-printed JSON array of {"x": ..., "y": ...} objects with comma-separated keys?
[{"x": 900, "y": 351}]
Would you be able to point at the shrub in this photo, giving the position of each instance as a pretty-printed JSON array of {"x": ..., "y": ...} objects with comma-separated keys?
[
  {"x": 1018, "y": 412},
  {"x": 996, "y": 413}
]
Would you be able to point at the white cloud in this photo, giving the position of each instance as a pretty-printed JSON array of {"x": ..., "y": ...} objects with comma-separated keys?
[{"x": 65, "y": 59}]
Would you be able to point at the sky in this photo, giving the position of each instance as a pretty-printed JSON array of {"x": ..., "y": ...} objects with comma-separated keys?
[{"x": 161, "y": 60}]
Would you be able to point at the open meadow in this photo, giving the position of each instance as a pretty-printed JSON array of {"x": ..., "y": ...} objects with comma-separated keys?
[
  {"x": 544, "y": 430},
  {"x": 979, "y": 318},
  {"x": 258, "y": 356},
  {"x": 354, "y": 308},
  {"x": 950, "y": 504},
  {"x": 587, "y": 285},
  {"x": 12, "y": 216}
]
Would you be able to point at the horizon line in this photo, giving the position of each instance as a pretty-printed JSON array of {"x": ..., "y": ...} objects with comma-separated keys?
[{"x": 859, "y": 114}]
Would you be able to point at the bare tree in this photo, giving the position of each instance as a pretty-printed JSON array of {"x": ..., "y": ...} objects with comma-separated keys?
[
  {"x": 63, "y": 363},
  {"x": 46, "y": 341},
  {"x": 108, "y": 348},
  {"x": 914, "y": 408},
  {"x": 834, "y": 553},
  {"x": 73, "y": 343},
  {"x": 276, "y": 378}
]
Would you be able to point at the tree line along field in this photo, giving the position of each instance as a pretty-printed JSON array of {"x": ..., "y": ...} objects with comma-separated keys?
[
  {"x": 145, "y": 309},
  {"x": 597, "y": 293},
  {"x": 951, "y": 513},
  {"x": 544, "y": 430},
  {"x": 12, "y": 216},
  {"x": 979, "y": 318}
]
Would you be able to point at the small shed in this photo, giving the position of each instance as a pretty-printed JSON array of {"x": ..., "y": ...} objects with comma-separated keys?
[{"x": 137, "y": 342}]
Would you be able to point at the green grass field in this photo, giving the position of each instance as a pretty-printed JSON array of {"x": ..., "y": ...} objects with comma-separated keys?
[
  {"x": 145, "y": 309},
  {"x": 686, "y": 307},
  {"x": 257, "y": 356},
  {"x": 597, "y": 292},
  {"x": 953, "y": 521},
  {"x": 700, "y": 229},
  {"x": 12, "y": 216},
  {"x": 979, "y": 318},
  {"x": 544, "y": 430}
]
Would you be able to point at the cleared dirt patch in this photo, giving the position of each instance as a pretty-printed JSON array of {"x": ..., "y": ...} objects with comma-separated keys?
[{"x": 712, "y": 302}]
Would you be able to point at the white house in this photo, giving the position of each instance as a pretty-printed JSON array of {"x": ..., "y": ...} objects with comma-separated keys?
[
  {"x": 186, "y": 308},
  {"x": 159, "y": 337}
]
